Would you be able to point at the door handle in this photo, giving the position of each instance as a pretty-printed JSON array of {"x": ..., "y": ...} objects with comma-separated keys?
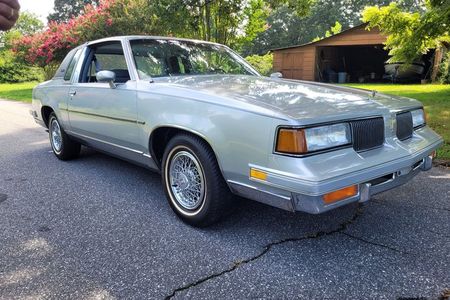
[{"x": 72, "y": 93}]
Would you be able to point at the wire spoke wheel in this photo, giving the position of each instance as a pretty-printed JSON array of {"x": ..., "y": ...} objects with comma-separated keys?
[
  {"x": 187, "y": 180},
  {"x": 193, "y": 182},
  {"x": 56, "y": 136}
]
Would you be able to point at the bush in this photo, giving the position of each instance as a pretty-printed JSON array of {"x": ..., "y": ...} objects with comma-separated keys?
[
  {"x": 262, "y": 63},
  {"x": 12, "y": 71}
]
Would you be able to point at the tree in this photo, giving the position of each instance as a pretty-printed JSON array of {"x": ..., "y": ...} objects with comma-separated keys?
[
  {"x": 286, "y": 27},
  {"x": 109, "y": 18},
  {"x": 256, "y": 22},
  {"x": 337, "y": 28},
  {"x": 13, "y": 69},
  {"x": 67, "y": 9},
  {"x": 214, "y": 20},
  {"x": 28, "y": 23},
  {"x": 262, "y": 63},
  {"x": 211, "y": 20},
  {"x": 411, "y": 34}
]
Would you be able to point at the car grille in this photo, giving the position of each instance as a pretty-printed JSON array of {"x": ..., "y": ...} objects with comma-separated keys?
[
  {"x": 404, "y": 125},
  {"x": 367, "y": 134}
]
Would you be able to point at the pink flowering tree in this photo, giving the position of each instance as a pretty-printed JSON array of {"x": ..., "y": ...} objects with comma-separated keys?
[{"x": 109, "y": 18}]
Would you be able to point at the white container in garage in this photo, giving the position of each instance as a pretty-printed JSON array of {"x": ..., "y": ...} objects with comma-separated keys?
[{"x": 342, "y": 77}]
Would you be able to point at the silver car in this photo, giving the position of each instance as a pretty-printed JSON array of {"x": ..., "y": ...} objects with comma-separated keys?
[{"x": 212, "y": 126}]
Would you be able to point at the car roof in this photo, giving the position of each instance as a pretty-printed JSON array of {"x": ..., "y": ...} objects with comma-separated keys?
[{"x": 141, "y": 37}]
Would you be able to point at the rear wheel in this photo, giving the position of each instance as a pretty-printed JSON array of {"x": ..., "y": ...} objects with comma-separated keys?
[
  {"x": 193, "y": 183},
  {"x": 63, "y": 147}
]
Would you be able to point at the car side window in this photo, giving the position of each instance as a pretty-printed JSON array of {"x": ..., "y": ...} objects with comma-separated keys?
[
  {"x": 106, "y": 56},
  {"x": 72, "y": 65}
]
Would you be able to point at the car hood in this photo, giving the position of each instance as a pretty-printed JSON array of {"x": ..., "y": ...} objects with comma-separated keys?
[{"x": 298, "y": 100}]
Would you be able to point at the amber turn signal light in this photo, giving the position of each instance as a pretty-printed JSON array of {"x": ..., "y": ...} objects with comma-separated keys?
[
  {"x": 257, "y": 174},
  {"x": 340, "y": 194},
  {"x": 291, "y": 141}
]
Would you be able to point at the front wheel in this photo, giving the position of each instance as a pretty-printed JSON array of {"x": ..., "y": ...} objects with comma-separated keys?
[
  {"x": 63, "y": 147},
  {"x": 193, "y": 183}
]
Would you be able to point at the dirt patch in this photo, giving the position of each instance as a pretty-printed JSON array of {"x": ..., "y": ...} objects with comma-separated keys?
[{"x": 441, "y": 163}]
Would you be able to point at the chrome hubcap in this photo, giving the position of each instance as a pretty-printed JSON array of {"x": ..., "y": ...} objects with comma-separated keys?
[
  {"x": 56, "y": 136},
  {"x": 186, "y": 180}
]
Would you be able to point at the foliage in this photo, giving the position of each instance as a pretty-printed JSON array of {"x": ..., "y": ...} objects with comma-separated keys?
[
  {"x": 411, "y": 34},
  {"x": 337, "y": 28},
  {"x": 218, "y": 21},
  {"x": 262, "y": 63},
  {"x": 12, "y": 71},
  {"x": 109, "y": 18},
  {"x": 28, "y": 23},
  {"x": 64, "y": 10},
  {"x": 284, "y": 27},
  {"x": 255, "y": 14},
  {"x": 435, "y": 99},
  {"x": 210, "y": 20}
]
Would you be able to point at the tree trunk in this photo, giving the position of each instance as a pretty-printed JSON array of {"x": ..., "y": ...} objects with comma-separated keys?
[{"x": 208, "y": 20}]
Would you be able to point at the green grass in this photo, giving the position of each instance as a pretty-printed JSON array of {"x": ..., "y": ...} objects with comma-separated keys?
[
  {"x": 435, "y": 98},
  {"x": 17, "y": 91}
]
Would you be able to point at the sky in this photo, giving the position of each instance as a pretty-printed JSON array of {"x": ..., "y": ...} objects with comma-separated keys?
[{"x": 41, "y": 8}]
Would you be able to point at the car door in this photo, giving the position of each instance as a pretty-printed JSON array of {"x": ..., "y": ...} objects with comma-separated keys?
[{"x": 100, "y": 114}]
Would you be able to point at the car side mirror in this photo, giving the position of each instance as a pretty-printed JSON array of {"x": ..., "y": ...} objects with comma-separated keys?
[
  {"x": 108, "y": 77},
  {"x": 276, "y": 75}
]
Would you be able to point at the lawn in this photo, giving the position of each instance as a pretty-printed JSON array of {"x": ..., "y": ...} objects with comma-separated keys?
[
  {"x": 435, "y": 98},
  {"x": 17, "y": 91}
]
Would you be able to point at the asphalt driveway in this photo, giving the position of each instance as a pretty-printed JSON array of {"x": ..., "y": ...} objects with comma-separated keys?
[{"x": 100, "y": 228}]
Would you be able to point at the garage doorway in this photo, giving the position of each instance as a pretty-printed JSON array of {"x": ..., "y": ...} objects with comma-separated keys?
[{"x": 359, "y": 63}]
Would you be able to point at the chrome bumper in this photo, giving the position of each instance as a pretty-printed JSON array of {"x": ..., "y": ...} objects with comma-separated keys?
[
  {"x": 35, "y": 116},
  {"x": 394, "y": 176},
  {"x": 315, "y": 204}
]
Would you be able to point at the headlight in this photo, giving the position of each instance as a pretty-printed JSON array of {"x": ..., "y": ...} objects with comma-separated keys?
[
  {"x": 304, "y": 140},
  {"x": 418, "y": 117}
]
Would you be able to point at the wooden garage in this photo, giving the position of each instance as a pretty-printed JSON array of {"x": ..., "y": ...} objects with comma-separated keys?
[{"x": 354, "y": 55}]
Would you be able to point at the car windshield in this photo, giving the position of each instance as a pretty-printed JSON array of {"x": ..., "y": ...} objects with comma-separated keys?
[{"x": 159, "y": 58}]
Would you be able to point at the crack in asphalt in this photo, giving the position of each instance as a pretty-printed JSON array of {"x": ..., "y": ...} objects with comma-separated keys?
[
  {"x": 373, "y": 243},
  {"x": 341, "y": 227},
  {"x": 3, "y": 197}
]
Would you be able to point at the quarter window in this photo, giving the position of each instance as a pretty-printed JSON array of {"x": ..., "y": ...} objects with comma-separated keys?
[{"x": 72, "y": 65}]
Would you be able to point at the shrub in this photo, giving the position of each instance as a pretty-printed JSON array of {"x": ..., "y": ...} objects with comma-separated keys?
[
  {"x": 262, "y": 63},
  {"x": 12, "y": 71}
]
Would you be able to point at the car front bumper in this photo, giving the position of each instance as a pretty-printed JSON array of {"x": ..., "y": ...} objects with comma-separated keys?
[{"x": 296, "y": 195}]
